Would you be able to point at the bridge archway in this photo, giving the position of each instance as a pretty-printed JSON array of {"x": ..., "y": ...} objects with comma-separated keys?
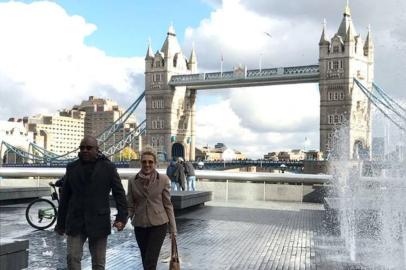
[
  {"x": 178, "y": 150},
  {"x": 10, "y": 157},
  {"x": 360, "y": 151}
]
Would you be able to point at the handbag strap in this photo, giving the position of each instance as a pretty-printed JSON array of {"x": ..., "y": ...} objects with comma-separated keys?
[{"x": 174, "y": 251}]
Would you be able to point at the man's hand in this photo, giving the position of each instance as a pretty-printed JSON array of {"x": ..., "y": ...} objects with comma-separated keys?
[
  {"x": 119, "y": 225},
  {"x": 59, "y": 231}
]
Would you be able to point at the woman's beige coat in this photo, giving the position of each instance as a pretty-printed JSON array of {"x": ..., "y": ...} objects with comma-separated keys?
[{"x": 152, "y": 206}]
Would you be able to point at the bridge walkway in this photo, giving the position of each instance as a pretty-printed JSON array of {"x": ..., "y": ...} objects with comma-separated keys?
[{"x": 220, "y": 235}]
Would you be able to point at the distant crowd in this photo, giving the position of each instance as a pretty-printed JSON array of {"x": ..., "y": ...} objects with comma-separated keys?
[{"x": 182, "y": 175}]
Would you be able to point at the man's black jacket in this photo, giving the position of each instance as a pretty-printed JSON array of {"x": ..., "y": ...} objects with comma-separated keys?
[{"x": 84, "y": 205}]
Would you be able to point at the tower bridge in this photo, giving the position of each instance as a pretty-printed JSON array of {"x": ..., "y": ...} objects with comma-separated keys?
[
  {"x": 345, "y": 73},
  {"x": 171, "y": 82}
]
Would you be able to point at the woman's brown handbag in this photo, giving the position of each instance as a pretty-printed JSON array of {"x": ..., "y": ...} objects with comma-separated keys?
[{"x": 174, "y": 263}]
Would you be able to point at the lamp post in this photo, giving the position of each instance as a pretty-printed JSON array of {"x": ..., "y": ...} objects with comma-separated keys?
[{"x": 283, "y": 168}]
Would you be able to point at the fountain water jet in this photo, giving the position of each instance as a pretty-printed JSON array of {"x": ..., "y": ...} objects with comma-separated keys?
[{"x": 371, "y": 207}]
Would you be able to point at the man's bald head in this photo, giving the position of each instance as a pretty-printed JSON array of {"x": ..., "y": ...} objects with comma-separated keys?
[
  {"x": 90, "y": 140},
  {"x": 88, "y": 149}
]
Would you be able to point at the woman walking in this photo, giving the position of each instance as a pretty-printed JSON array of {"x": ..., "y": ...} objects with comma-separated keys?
[{"x": 150, "y": 209}]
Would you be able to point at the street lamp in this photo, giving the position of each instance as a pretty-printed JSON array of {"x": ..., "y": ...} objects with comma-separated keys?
[{"x": 283, "y": 168}]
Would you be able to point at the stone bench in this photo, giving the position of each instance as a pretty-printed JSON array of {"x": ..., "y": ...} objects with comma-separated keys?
[
  {"x": 13, "y": 254},
  {"x": 186, "y": 199}
]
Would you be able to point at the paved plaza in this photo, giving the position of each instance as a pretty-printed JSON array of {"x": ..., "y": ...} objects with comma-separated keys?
[{"x": 221, "y": 235}]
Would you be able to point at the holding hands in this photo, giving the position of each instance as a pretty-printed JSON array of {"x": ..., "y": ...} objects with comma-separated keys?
[{"x": 119, "y": 225}]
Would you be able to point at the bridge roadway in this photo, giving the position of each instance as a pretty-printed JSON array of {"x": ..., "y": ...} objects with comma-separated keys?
[
  {"x": 241, "y": 77},
  {"x": 221, "y": 235}
]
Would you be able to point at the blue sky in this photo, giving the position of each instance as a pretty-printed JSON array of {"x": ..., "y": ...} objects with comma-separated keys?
[
  {"x": 55, "y": 54},
  {"x": 123, "y": 27}
]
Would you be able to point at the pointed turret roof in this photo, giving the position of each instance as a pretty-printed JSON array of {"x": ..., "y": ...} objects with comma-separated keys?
[
  {"x": 350, "y": 37},
  {"x": 193, "y": 58},
  {"x": 368, "y": 42},
  {"x": 346, "y": 23},
  {"x": 171, "y": 45},
  {"x": 323, "y": 38},
  {"x": 149, "y": 54}
]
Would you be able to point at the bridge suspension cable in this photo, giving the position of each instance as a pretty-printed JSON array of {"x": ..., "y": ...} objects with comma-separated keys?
[
  {"x": 387, "y": 97},
  {"x": 378, "y": 103},
  {"x": 117, "y": 147},
  {"x": 48, "y": 156},
  {"x": 119, "y": 123}
]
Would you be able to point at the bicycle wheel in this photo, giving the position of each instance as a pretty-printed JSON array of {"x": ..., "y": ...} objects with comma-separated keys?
[{"x": 41, "y": 214}]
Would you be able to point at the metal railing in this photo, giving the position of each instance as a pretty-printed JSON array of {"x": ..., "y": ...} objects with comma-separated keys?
[{"x": 201, "y": 174}]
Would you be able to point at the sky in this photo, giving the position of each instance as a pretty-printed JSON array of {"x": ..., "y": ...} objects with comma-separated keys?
[{"x": 53, "y": 54}]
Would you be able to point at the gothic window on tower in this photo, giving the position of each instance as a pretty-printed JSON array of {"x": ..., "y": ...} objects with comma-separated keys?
[
  {"x": 157, "y": 104},
  {"x": 341, "y": 64},
  {"x": 336, "y": 119},
  {"x": 158, "y": 64},
  {"x": 330, "y": 95},
  {"x": 153, "y": 141},
  {"x": 336, "y": 49},
  {"x": 341, "y": 95},
  {"x": 335, "y": 95},
  {"x": 330, "y": 119},
  {"x": 335, "y": 65},
  {"x": 156, "y": 77},
  {"x": 161, "y": 140}
]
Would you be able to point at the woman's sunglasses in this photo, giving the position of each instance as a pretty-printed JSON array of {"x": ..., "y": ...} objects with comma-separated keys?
[{"x": 147, "y": 162}]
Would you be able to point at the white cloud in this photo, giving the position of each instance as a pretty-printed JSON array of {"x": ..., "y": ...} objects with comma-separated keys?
[
  {"x": 257, "y": 119},
  {"x": 240, "y": 35},
  {"x": 44, "y": 60},
  {"x": 218, "y": 122},
  {"x": 45, "y": 65}
]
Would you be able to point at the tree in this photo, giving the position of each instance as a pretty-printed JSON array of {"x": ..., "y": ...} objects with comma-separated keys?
[{"x": 126, "y": 154}]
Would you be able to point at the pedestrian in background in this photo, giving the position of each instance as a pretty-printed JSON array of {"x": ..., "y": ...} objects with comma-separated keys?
[
  {"x": 150, "y": 209},
  {"x": 190, "y": 175},
  {"x": 180, "y": 173},
  {"x": 170, "y": 172},
  {"x": 84, "y": 208}
]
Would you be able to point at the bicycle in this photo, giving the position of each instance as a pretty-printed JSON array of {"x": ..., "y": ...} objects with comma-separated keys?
[{"x": 42, "y": 213}]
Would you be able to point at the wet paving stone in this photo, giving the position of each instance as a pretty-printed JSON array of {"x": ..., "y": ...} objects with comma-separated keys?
[{"x": 217, "y": 236}]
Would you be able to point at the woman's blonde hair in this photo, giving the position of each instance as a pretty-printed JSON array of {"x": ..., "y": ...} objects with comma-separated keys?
[{"x": 148, "y": 150}]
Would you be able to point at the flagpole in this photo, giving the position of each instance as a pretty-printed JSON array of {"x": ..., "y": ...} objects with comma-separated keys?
[
  {"x": 221, "y": 65},
  {"x": 260, "y": 62}
]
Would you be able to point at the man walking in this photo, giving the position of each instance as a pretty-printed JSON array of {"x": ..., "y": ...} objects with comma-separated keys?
[
  {"x": 190, "y": 175},
  {"x": 179, "y": 173},
  {"x": 170, "y": 172},
  {"x": 84, "y": 209}
]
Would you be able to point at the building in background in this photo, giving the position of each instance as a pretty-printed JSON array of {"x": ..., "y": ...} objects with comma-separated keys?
[
  {"x": 100, "y": 115},
  {"x": 294, "y": 155},
  {"x": 58, "y": 133},
  {"x": 219, "y": 152},
  {"x": 378, "y": 148},
  {"x": 13, "y": 132}
]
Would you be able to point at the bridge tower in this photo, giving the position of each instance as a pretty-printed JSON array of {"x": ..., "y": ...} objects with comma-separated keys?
[
  {"x": 344, "y": 57},
  {"x": 170, "y": 111}
]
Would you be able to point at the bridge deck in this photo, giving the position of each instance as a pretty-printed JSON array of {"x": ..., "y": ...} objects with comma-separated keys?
[
  {"x": 232, "y": 235},
  {"x": 245, "y": 78}
]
